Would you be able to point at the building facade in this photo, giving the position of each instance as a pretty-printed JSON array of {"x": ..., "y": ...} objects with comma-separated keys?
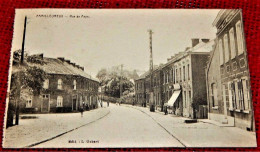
[
  {"x": 229, "y": 95},
  {"x": 66, "y": 89},
  {"x": 184, "y": 84},
  {"x": 140, "y": 91},
  {"x": 180, "y": 84}
]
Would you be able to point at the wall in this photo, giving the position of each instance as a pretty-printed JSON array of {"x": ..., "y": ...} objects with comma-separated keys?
[{"x": 198, "y": 66}]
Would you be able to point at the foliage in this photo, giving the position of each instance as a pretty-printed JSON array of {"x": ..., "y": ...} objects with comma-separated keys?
[
  {"x": 110, "y": 80},
  {"x": 35, "y": 59},
  {"x": 26, "y": 76}
]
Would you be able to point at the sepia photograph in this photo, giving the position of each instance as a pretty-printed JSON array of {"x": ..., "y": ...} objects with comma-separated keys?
[{"x": 120, "y": 78}]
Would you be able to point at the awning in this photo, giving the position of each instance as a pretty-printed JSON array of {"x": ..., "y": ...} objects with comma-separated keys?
[{"x": 173, "y": 98}]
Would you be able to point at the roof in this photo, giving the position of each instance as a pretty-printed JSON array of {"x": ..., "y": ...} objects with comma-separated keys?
[
  {"x": 143, "y": 75},
  {"x": 57, "y": 66},
  {"x": 201, "y": 47}
]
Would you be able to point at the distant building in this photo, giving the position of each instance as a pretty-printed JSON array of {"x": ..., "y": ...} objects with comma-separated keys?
[
  {"x": 140, "y": 91},
  {"x": 66, "y": 89},
  {"x": 228, "y": 81}
]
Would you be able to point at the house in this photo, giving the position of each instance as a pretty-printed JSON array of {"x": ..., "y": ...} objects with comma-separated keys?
[
  {"x": 228, "y": 80},
  {"x": 184, "y": 80},
  {"x": 180, "y": 83},
  {"x": 66, "y": 89}
]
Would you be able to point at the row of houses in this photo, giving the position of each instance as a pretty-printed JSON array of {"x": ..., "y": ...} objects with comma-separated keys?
[
  {"x": 210, "y": 79},
  {"x": 67, "y": 88}
]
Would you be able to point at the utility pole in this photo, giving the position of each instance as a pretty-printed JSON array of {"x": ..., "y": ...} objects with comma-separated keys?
[
  {"x": 120, "y": 82},
  {"x": 17, "y": 103},
  {"x": 151, "y": 104}
]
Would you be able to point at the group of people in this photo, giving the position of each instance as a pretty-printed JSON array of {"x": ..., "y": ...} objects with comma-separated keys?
[{"x": 101, "y": 103}]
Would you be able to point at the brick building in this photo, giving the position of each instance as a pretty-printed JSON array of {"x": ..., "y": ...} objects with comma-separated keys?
[
  {"x": 140, "y": 90},
  {"x": 66, "y": 88},
  {"x": 184, "y": 80},
  {"x": 181, "y": 82},
  {"x": 228, "y": 81}
]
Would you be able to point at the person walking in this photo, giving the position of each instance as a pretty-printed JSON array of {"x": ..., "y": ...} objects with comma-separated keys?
[
  {"x": 81, "y": 110},
  {"x": 107, "y": 103},
  {"x": 165, "y": 110}
]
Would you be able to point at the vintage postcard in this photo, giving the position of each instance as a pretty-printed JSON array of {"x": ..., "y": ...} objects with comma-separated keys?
[{"x": 88, "y": 78}]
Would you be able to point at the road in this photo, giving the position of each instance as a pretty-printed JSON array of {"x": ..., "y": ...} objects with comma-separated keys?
[{"x": 123, "y": 127}]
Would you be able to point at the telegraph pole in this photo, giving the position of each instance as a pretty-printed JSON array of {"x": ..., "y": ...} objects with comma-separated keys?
[
  {"x": 151, "y": 104},
  {"x": 120, "y": 83},
  {"x": 17, "y": 103},
  {"x": 24, "y": 31}
]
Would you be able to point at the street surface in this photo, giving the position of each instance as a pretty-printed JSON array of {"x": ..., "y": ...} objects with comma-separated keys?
[
  {"x": 123, "y": 127},
  {"x": 133, "y": 126}
]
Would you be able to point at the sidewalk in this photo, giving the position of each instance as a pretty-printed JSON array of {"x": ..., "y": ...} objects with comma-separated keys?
[
  {"x": 48, "y": 126},
  {"x": 201, "y": 134}
]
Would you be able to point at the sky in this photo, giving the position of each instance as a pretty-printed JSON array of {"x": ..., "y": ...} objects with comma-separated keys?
[{"x": 102, "y": 38}]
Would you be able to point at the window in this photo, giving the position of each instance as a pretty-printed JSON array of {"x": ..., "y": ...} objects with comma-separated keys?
[
  {"x": 167, "y": 77},
  {"x": 188, "y": 73},
  {"x": 163, "y": 78},
  {"x": 214, "y": 95},
  {"x": 59, "y": 101},
  {"x": 60, "y": 84},
  {"x": 231, "y": 95},
  {"x": 232, "y": 43},
  {"x": 74, "y": 85},
  {"x": 246, "y": 94},
  {"x": 183, "y": 73},
  {"x": 236, "y": 94},
  {"x": 28, "y": 103},
  {"x": 240, "y": 42},
  {"x": 184, "y": 99},
  {"x": 220, "y": 47},
  {"x": 176, "y": 75},
  {"x": 45, "y": 96},
  {"x": 226, "y": 48},
  {"x": 46, "y": 84},
  {"x": 173, "y": 76},
  {"x": 190, "y": 97},
  {"x": 180, "y": 75}
]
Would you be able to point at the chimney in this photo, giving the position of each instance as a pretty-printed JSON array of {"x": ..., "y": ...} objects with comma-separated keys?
[
  {"x": 77, "y": 66},
  {"x": 62, "y": 59},
  {"x": 82, "y": 68},
  {"x": 68, "y": 61},
  {"x": 41, "y": 56},
  {"x": 195, "y": 41},
  {"x": 73, "y": 64},
  {"x": 205, "y": 40}
]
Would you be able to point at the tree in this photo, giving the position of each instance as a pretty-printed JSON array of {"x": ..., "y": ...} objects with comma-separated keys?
[
  {"x": 28, "y": 75},
  {"x": 110, "y": 80},
  {"x": 102, "y": 76}
]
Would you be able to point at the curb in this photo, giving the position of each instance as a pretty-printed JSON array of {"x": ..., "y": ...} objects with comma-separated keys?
[
  {"x": 51, "y": 138},
  {"x": 174, "y": 136},
  {"x": 214, "y": 124}
]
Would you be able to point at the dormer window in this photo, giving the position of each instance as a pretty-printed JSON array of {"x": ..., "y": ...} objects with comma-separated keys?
[
  {"x": 46, "y": 84},
  {"x": 59, "y": 84},
  {"x": 74, "y": 85}
]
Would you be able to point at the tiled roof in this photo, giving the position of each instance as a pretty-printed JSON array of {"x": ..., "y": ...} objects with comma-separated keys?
[{"x": 57, "y": 66}]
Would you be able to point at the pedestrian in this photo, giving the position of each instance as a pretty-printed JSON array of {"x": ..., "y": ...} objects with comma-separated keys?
[
  {"x": 107, "y": 103},
  {"x": 101, "y": 104},
  {"x": 81, "y": 110},
  {"x": 165, "y": 110}
]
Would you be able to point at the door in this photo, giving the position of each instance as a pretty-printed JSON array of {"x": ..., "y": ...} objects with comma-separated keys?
[
  {"x": 45, "y": 103},
  {"x": 74, "y": 103}
]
